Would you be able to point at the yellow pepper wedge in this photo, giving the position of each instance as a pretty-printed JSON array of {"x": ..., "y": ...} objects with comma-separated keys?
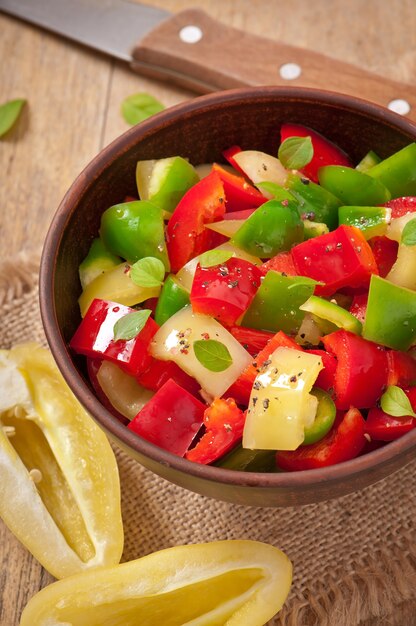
[
  {"x": 227, "y": 583},
  {"x": 59, "y": 488},
  {"x": 281, "y": 405},
  {"x": 115, "y": 284}
]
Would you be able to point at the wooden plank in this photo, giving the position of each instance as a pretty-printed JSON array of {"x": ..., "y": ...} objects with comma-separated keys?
[{"x": 59, "y": 132}]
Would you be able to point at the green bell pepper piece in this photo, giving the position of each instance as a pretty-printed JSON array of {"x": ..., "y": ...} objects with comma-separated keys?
[
  {"x": 245, "y": 460},
  {"x": 391, "y": 314},
  {"x": 173, "y": 297},
  {"x": 277, "y": 301},
  {"x": 275, "y": 226},
  {"x": 135, "y": 230},
  {"x": 332, "y": 313},
  {"x": 275, "y": 190},
  {"x": 324, "y": 420},
  {"x": 315, "y": 203},
  {"x": 97, "y": 261},
  {"x": 398, "y": 172},
  {"x": 371, "y": 220},
  {"x": 352, "y": 187},
  {"x": 368, "y": 161},
  {"x": 314, "y": 229},
  {"x": 165, "y": 181}
]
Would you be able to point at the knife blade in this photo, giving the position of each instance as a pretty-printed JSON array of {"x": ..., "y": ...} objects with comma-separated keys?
[
  {"x": 110, "y": 26},
  {"x": 193, "y": 50}
]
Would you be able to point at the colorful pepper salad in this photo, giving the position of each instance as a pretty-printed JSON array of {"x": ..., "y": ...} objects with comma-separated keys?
[{"x": 259, "y": 315}]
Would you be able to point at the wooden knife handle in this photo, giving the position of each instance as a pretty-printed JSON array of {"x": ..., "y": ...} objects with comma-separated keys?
[{"x": 225, "y": 57}]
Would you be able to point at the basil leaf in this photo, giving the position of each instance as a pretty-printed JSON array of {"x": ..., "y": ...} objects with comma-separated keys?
[
  {"x": 130, "y": 325},
  {"x": 139, "y": 107},
  {"x": 295, "y": 152},
  {"x": 212, "y": 354},
  {"x": 214, "y": 257},
  {"x": 148, "y": 272},
  {"x": 9, "y": 112},
  {"x": 409, "y": 233},
  {"x": 395, "y": 402}
]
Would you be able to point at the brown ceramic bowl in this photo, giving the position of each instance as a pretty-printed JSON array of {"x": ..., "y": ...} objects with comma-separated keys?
[{"x": 200, "y": 129}]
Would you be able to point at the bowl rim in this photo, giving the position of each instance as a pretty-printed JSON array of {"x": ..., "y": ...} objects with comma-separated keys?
[{"x": 60, "y": 351}]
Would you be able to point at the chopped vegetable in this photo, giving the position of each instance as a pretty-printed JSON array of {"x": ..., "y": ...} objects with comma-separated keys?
[
  {"x": 174, "y": 341},
  {"x": 171, "y": 419},
  {"x": 344, "y": 441},
  {"x": 165, "y": 181},
  {"x": 281, "y": 406}
]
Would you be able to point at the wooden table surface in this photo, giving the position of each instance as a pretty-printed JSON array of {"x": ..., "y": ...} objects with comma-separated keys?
[{"x": 74, "y": 97}]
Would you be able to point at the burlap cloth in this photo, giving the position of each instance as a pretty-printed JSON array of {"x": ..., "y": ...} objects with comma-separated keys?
[{"x": 354, "y": 558}]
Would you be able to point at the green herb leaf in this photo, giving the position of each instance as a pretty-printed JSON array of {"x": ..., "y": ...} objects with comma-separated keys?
[
  {"x": 212, "y": 354},
  {"x": 214, "y": 257},
  {"x": 278, "y": 192},
  {"x": 295, "y": 152},
  {"x": 139, "y": 107},
  {"x": 409, "y": 233},
  {"x": 148, "y": 272},
  {"x": 395, "y": 402},
  {"x": 129, "y": 326},
  {"x": 9, "y": 112}
]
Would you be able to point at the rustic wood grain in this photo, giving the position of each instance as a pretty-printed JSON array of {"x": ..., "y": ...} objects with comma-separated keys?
[{"x": 74, "y": 101}]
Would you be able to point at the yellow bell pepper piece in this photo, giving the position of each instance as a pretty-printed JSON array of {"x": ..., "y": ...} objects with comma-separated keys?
[
  {"x": 223, "y": 583},
  {"x": 115, "y": 285},
  {"x": 59, "y": 489},
  {"x": 403, "y": 272},
  {"x": 174, "y": 342},
  {"x": 281, "y": 406}
]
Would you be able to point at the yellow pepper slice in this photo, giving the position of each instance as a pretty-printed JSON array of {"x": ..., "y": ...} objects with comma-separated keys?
[
  {"x": 115, "y": 284},
  {"x": 59, "y": 488},
  {"x": 281, "y": 405},
  {"x": 232, "y": 583}
]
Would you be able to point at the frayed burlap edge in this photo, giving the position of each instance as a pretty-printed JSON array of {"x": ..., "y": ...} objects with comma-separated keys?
[
  {"x": 18, "y": 276},
  {"x": 377, "y": 583}
]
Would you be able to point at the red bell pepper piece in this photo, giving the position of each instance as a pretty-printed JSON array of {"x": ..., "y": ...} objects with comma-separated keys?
[
  {"x": 340, "y": 259},
  {"x": 326, "y": 376},
  {"x": 324, "y": 151},
  {"x": 359, "y": 306},
  {"x": 159, "y": 372},
  {"x": 224, "y": 423},
  {"x": 401, "y": 206},
  {"x": 383, "y": 427},
  {"x": 344, "y": 441},
  {"x": 94, "y": 337},
  {"x": 251, "y": 339},
  {"x": 385, "y": 253},
  {"x": 171, "y": 419},
  {"x": 225, "y": 291},
  {"x": 239, "y": 194},
  {"x": 401, "y": 368},
  {"x": 228, "y": 155},
  {"x": 362, "y": 370},
  {"x": 151, "y": 304},
  {"x": 241, "y": 388},
  {"x": 282, "y": 262},
  {"x": 186, "y": 233}
]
